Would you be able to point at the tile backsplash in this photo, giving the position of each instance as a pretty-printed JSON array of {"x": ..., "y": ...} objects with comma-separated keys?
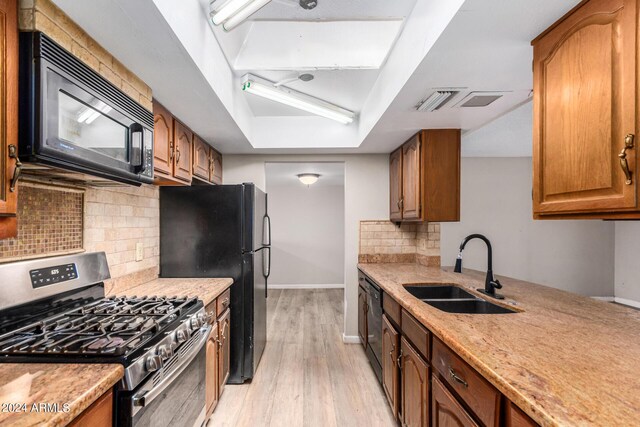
[
  {"x": 50, "y": 222},
  {"x": 384, "y": 241}
]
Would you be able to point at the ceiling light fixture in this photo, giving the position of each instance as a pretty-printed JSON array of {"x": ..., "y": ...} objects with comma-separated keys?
[
  {"x": 308, "y": 178},
  {"x": 297, "y": 100},
  {"x": 234, "y": 12}
]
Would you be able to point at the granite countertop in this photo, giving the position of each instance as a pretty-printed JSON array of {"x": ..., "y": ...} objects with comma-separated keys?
[
  {"x": 67, "y": 389},
  {"x": 206, "y": 289},
  {"x": 564, "y": 359}
]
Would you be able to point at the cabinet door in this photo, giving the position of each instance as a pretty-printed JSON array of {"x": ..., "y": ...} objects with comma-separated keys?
[
  {"x": 163, "y": 149},
  {"x": 99, "y": 414},
  {"x": 183, "y": 138},
  {"x": 395, "y": 185},
  {"x": 585, "y": 111},
  {"x": 517, "y": 418},
  {"x": 217, "y": 167},
  {"x": 390, "y": 349},
  {"x": 201, "y": 159},
  {"x": 411, "y": 194},
  {"x": 223, "y": 349},
  {"x": 8, "y": 115},
  {"x": 415, "y": 387},
  {"x": 212, "y": 370},
  {"x": 446, "y": 411},
  {"x": 362, "y": 316}
]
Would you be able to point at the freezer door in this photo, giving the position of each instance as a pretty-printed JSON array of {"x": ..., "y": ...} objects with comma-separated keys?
[{"x": 260, "y": 219}]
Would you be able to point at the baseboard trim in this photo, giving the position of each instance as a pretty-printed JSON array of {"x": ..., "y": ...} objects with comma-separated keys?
[
  {"x": 629, "y": 302},
  {"x": 302, "y": 286},
  {"x": 623, "y": 301},
  {"x": 350, "y": 339}
]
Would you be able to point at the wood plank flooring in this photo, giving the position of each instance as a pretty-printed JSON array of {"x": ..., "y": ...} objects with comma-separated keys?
[{"x": 307, "y": 375}]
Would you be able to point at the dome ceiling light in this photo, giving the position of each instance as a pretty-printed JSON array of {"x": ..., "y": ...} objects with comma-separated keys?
[{"x": 308, "y": 178}]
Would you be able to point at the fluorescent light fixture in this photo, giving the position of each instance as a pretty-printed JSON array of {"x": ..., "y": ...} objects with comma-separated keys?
[
  {"x": 234, "y": 12},
  {"x": 308, "y": 178},
  {"x": 297, "y": 100}
]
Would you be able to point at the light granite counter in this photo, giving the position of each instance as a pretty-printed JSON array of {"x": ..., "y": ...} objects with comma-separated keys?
[
  {"x": 46, "y": 394},
  {"x": 207, "y": 289},
  {"x": 564, "y": 359}
]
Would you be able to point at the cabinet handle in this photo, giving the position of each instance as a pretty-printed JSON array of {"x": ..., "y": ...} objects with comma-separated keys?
[
  {"x": 13, "y": 154},
  {"x": 171, "y": 153},
  {"x": 177, "y": 155},
  {"x": 225, "y": 302},
  {"x": 624, "y": 164},
  {"x": 399, "y": 359},
  {"x": 456, "y": 378},
  {"x": 393, "y": 347}
]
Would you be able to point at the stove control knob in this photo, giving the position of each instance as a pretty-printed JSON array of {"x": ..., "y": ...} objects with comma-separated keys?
[
  {"x": 195, "y": 322},
  {"x": 181, "y": 336},
  {"x": 153, "y": 363},
  {"x": 165, "y": 352},
  {"x": 203, "y": 319}
]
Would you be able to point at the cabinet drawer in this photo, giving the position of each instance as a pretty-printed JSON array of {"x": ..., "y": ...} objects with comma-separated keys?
[
  {"x": 211, "y": 311},
  {"x": 416, "y": 333},
  {"x": 476, "y": 392},
  {"x": 391, "y": 308},
  {"x": 223, "y": 301}
]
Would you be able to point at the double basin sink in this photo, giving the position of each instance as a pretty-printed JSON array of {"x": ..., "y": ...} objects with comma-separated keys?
[{"x": 453, "y": 299}]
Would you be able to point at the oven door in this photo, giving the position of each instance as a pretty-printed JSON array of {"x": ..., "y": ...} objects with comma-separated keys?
[
  {"x": 174, "y": 396},
  {"x": 85, "y": 132}
]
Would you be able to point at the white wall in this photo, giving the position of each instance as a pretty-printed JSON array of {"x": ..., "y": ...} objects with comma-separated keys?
[
  {"x": 307, "y": 225},
  {"x": 627, "y": 264},
  {"x": 577, "y": 256},
  {"x": 366, "y": 197}
]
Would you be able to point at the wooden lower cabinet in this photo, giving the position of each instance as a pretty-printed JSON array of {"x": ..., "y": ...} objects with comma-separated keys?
[
  {"x": 414, "y": 373},
  {"x": 99, "y": 414},
  {"x": 223, "y": 349},
  {"x": 390, "y": 371},
  {"x": 362, "y": 316},
  {"x": 517, "y": 418},
  {"x": 212, "y": 385},
  {"x": 445, "y": 409}
]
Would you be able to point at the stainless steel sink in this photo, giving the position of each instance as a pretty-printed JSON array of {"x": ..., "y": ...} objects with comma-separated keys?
[
  {"x": 469, "y": 306},
  {"x": 453, "y": 299},
  {"x": 428, "y": 292}
]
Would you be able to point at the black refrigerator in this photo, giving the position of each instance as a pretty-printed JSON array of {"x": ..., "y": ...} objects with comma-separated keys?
[{"x": 223, "y": 231}]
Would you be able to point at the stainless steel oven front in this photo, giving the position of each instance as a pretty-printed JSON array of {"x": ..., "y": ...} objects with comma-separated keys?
[
  {"x": 73, "y": 119},
  {"x": 174, "y": 395}
]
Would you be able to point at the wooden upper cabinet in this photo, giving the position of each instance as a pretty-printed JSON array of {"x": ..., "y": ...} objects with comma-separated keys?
[
  {"x": 585, "y": 153},
  {"x": 390, "y": 371},
  {"x": 395, "y": 185},
  {"x": 445, "y": 409},
  {"x": 202, "y": 163},
  {"x": 163, "y": 149},
  {"x": 183, "y": 139},
  {"x": 425, "y": 177},
  {"x": 414, "y": 376},
  {"x": 411, "y": 201},
  {"x": 216, "y": 164},
  {"x": 8, "y": 117}
]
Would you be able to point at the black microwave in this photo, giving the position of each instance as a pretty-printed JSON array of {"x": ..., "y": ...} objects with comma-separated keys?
[{"x": 75, "y": 124}]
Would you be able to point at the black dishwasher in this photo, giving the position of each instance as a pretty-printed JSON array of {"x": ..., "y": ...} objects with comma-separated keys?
[{"x": 374, "y": 327}]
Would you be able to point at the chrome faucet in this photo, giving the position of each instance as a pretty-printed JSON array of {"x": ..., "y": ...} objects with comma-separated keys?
[{"x": 490, "y": 283}]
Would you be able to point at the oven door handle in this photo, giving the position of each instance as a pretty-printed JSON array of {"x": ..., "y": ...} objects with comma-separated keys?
[{"x": 145, "y": 397}]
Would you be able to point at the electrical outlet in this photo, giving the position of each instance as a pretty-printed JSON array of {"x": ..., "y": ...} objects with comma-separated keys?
[{"x": 139, "y": 251}]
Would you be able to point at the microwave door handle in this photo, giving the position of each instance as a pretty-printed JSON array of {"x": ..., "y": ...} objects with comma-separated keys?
[{"x": 137, "y": 142}]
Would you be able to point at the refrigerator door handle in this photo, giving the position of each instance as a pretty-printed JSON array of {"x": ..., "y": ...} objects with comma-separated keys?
[{"x": 266, "y": 227}]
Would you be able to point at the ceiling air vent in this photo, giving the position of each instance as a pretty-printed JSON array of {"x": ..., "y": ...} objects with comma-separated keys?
[
  {"x": 437, "y": 99},
  {"x": 479, "y": 99}
]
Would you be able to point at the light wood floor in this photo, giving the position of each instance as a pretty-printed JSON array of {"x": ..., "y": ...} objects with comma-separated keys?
[{"x": 307, "y": 375}]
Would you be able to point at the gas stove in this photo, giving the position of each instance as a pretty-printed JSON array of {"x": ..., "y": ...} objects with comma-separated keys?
[{"x": 55, "y": 311}]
